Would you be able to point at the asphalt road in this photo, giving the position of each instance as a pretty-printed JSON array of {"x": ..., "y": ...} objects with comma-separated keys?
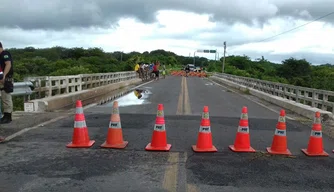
[{"x": 38, "y": 160}]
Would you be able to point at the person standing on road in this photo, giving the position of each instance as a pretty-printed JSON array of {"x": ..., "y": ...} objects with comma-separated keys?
[
  {"x": 156, "y": 70},
  {"x": 141, "y": 71},
  {"x": 137, "y": 69},
  {"x": 164, "y": 71},
  {"x": 187, "y": 69},
  {"x": 6, "y": 85}
]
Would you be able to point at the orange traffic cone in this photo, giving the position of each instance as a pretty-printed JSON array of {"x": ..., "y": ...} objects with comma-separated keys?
[
  {"x": 204, "y": 139},
  {"x": 115, "y": 134},
  {"x": 80, "y": 138},
  {"x": 315, "y": 145},
  {"x": 159, "y": 137},
  {"x": 279, "y": 145},
  {"x": 242, "y": 140}
]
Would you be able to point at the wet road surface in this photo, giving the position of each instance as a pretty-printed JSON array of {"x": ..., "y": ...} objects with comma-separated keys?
[{"x": 38, "y": 160}]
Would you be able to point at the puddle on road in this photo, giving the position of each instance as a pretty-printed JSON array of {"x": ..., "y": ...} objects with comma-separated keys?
[{"x": 136, "y": 97}]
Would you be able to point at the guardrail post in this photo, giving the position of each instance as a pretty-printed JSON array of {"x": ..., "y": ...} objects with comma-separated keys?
[
  {"x": 48, "y": 83},
  {"x": 80, "y": 82},
  {"x": 324, "y": 99},
  {"x": 297, "y": 95},
  {"x": 67, "y": 83},
  {"x": 313, "y": 98}
]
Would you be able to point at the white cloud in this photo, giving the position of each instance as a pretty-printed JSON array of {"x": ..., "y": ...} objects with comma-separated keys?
[
  {"x": 183, "y": 33},
  {"x": 177, "y": 22},
  {"x": 314, "y": 38}
]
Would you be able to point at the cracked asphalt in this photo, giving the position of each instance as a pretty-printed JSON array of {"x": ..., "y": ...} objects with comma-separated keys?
[{"x": 38, "y": 161}]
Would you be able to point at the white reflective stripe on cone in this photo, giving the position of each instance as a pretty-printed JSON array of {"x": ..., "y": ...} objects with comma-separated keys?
[
  {"x": 280, "y": 132},
  {"x": 115, "y": 125},
  {"x": 244, "y": 116},
  {"x": 80, "y": 124},
  {"x": 205, "y": 115},
  {"x": 317, "y": 120},
  {"x": 205, "y": 129},
  {"x": 79, "y": 110},
  {"x": 316, "y": 133},
  {"x": 281, "y": 119},
  {"x": 115, "y": 111},
  {"x": 160, "y": 113},
  {"x": 159, "y": 127},
  {"x": 243, "y": 129}
]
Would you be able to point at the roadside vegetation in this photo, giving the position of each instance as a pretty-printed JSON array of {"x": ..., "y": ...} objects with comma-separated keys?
[{"x": 72, "y": 61}]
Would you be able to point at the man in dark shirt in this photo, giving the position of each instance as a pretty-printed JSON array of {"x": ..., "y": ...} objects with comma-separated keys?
[
  {"x": 187, "y": 69},
  {"x": 6, "y": 84}
]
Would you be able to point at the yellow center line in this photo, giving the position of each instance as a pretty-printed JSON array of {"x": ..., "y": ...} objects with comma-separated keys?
[
  {"x": 170, "y": 177},
  {"x": 180, "y": 102},
  {"x": 187, "y": 111},
  {"x": 171, "y": 171},
  {"x": 186, "y": 103}
]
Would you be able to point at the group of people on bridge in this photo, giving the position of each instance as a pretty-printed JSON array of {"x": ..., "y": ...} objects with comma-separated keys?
[{"x": 150, "y": 71}]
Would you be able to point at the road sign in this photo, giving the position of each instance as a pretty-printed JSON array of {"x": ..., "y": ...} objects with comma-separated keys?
[{"x": 206, "y": 51}]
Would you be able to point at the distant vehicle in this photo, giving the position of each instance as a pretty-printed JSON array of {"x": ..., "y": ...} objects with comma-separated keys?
[
  {"x": 198, "y": 69},
  {"x": 191, "y": 67}
]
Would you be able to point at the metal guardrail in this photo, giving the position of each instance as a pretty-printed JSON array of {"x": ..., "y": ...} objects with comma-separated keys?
[
  {"x": 20, "y": 89},
  {"x": 23, "y": 88},
  {"x": 317, "y": 98}
]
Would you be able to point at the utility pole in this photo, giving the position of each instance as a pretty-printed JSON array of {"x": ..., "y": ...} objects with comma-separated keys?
[
  {"x": 194, "y": 57},
  {"x": 224, "y": 57},
  {"x": 216, "y": 56}
]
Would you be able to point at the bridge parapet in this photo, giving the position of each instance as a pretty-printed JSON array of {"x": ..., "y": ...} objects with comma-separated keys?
[
  {"x": 48, "y": 86},
  {"x": 317, "y": 98}
]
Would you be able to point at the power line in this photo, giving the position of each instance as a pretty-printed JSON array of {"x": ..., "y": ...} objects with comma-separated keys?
[{"x": 298, "y": 26}]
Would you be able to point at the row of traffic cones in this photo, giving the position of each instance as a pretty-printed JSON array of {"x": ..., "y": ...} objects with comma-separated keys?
[
  {"x": 242, "y": 140},
  {"x": 183, "y": 73},
  {"x": 204, "y": 140},
  {"x": 80, "y": 138}
]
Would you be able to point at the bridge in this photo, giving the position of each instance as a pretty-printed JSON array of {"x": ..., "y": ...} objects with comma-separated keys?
[{"x": 35, "y": 157}]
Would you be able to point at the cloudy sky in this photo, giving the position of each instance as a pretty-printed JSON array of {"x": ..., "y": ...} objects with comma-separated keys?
[{"x": 181, "y": 26}]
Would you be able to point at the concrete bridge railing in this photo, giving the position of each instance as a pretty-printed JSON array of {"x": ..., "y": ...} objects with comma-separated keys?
[
  {"x": 48, "y": 86},
  {"x": 57, "y": 92},
  {"x": 321, "y": 99}
]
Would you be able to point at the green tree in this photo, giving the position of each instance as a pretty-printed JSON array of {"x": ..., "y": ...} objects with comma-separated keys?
[{"x": 297, "y": 72}]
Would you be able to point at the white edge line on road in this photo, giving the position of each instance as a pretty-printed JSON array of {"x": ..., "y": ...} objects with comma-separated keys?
[
  {"x": 10, "y": 137},
  {"x": 143, "y": 84},
  {"x": 273, "y": 110}
]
